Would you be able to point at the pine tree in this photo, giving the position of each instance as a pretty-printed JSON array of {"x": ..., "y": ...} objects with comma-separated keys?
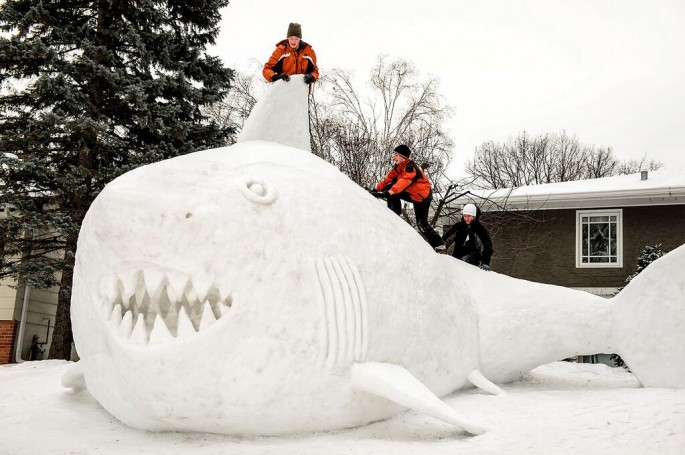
[
  {"x": 648, "y": 255},
  {"x": 90, "y": 90}
]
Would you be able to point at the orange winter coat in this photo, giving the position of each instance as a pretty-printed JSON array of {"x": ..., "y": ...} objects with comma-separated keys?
[
  {"x": 285, "y": 60},
  {"x": 407, "y": 177}
]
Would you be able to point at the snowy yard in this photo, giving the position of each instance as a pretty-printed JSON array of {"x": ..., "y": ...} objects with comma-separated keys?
[{"x": 559, "y": 408}]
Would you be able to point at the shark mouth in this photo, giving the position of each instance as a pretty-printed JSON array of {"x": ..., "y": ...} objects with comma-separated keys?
[{"x": 148, "y": 307}]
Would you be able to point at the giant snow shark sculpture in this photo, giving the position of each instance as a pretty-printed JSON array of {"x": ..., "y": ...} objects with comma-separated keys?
[{"x": 255, "y": 289}]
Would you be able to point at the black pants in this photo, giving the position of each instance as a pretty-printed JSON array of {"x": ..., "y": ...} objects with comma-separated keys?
[
  {"x": 421, "y": 212},
  {"x": 471, "y": 258}
]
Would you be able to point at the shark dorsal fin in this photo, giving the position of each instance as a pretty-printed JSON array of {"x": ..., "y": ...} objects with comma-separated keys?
[
  {"x": 281, "y": 115},
  {"x": 396, "y": 384}
]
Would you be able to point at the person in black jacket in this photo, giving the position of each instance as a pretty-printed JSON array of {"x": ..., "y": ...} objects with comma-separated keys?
[{"x": 472, "y": 242}]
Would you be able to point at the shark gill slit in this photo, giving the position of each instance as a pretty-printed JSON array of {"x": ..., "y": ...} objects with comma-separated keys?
[
  {"x": 339, "y": 307},
  {"x": 356, "y": 308},
  {"x": 363, "y": 327},
  {"x": 331, "y": 316},
  {"x": 343, "y": 302},
  {"x": 348, "y": 307},
  {"x": 325, "y": 333},
  {"x": 327, "y": 286}
]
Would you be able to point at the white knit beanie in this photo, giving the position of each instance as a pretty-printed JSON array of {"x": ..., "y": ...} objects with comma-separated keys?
[{"x": 469, "y": 209}]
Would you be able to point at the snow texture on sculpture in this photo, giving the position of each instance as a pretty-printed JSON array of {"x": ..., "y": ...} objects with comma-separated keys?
[{"x": 255, "y": 289}]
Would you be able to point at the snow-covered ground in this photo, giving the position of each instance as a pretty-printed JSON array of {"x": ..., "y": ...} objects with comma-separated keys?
[{"x": 560, "y": 408}]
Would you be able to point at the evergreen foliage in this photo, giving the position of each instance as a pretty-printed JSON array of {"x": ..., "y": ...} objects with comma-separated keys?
[
  {"x": 648, "y": 255},
  {"x": 88, "y": 91}
]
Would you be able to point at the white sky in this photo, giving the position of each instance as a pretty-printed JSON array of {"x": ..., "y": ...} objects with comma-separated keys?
[{"x": 611, "y": 72}]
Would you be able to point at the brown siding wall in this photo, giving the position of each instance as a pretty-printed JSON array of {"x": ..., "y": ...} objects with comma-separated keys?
[{"x": 540, "y": 246}]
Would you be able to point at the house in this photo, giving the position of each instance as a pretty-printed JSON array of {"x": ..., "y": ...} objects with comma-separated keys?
[
  {"x": 26, "y": 316},
  {"x": 582, "y": 234}
]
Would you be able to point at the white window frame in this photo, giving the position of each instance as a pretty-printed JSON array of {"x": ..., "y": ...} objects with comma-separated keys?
[{"x": 618, "y": 213}]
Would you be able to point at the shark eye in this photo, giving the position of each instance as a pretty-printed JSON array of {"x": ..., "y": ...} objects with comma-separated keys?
[{"x": 256, "y": 190}]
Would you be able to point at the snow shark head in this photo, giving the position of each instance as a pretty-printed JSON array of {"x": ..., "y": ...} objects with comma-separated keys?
[{"x": 230, "y": 291}]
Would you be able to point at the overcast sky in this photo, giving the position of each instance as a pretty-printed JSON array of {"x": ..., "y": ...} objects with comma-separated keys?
[{"x": 610, "y": 71}]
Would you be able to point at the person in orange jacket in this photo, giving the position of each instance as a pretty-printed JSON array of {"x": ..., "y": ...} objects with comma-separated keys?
[
  {"x": 292, "y": 56},
  {"x": 407, "y": 181}
]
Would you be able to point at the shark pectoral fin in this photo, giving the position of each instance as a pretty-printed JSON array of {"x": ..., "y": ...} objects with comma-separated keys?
[
  {"x": 476, "y": 378},
  {"x": 73, "y": 377},
  {"x": 398, "y": 385}
]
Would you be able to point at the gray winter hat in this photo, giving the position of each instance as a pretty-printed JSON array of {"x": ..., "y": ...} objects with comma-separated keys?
[{"x": 294, "y": 29}]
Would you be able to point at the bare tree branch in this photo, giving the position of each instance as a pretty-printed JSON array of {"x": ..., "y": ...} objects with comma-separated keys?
[{"x": 548, "y": 158}]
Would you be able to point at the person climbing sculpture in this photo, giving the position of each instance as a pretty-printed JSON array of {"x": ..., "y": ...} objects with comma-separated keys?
[
  {"x": 292, "y": 56},
  {"x": 472, "y": 241},
  {"x": 407, "y": 181}
]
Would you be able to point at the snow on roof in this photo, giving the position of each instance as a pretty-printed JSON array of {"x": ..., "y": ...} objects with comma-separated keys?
[{"x": 661, "y": 187}]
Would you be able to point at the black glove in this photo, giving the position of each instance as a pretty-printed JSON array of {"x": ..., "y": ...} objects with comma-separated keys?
[
  {"x": 442, "y": 249},
  {"x": 276, "y": 77},
  {"x": 485, "y": 267},
  {"x": 308, "y": 79}
]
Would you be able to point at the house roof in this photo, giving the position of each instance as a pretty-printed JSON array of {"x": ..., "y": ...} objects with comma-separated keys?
[{"x": 662, "y": 187}]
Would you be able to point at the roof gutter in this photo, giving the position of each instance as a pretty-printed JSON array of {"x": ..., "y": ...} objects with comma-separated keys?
[{"x": 616, "y": 198}]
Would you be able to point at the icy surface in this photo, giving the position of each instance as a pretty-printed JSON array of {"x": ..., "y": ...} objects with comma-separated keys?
[{"x": 231, "y": 291}]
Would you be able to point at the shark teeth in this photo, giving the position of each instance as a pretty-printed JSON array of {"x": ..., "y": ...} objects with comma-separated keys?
[
  {"x": 126, "y": 325},
  {"x": 139, "y": 333},
  {"x": 152, "y": 307},
  {"x": 160, "y": 333},
  {"x": 185, "y": 326},
  {"x": 207, "y": 318}
]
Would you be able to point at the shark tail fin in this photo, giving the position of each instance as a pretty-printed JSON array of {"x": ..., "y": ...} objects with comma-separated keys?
[
  {"x": 476, "y": 378},
  {"x": 398, "y": 385},
  {"x": 649, "y": 332}
]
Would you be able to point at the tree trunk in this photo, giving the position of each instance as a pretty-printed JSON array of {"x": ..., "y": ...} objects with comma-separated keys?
[
  {"x": 62, "y": 336},
  {"x": 3, "y": 234}
]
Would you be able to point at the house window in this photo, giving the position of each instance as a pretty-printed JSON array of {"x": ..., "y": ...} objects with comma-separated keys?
[{"x": 599, "y": 238}]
